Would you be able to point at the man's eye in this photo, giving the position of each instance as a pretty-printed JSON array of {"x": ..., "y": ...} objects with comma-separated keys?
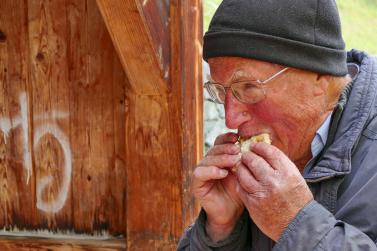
[{"x": 248, "y": 87}]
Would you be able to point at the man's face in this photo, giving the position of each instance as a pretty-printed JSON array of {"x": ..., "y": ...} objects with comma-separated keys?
[{"x": 291, "y": 112}]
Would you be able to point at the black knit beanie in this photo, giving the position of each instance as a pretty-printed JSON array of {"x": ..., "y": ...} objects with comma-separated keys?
[{"x": 304, "y": 34}]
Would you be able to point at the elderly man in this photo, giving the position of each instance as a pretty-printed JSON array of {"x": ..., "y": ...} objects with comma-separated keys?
[{"x": 279, "y": 67}]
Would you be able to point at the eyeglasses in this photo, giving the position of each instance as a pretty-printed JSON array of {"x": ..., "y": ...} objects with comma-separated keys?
[{"x": 248, "y": 92}]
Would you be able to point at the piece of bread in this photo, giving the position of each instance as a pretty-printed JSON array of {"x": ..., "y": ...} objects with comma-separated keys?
[{"x": 245, "y": 143}]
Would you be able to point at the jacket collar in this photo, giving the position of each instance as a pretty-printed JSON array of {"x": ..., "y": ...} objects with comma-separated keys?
[{"x": 350, "y": 117}]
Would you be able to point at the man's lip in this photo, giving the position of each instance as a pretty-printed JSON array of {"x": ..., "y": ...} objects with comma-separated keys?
[{"x": 249, "y": 135}]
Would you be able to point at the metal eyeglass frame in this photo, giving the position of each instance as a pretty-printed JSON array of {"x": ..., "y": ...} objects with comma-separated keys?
[{"x": 258, "y": 82}]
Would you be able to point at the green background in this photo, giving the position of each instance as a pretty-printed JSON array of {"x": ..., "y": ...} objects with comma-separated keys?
[{"x": 358, "y": 17}]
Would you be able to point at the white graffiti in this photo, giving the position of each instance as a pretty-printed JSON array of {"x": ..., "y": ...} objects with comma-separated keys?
[{"x": 6, "y": 125}]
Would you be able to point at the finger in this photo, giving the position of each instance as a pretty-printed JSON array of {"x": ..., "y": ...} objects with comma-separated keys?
[
  {"x": 243, "y": 195},
  {"x": 203, "y": 174},
  {"x": 273, "y": 155},
  {"x": 259, "y": 168},
  {"x": 222, "y": 161},
  {"x": 246, "y": 179},
  {"x": 229, "y": 137},
  {"x": 224, "y": 149}
]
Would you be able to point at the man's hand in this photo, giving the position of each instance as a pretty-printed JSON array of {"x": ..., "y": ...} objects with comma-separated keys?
[
  {"x": 215, "y": 187},
  {"x": 272, "y": 188}
]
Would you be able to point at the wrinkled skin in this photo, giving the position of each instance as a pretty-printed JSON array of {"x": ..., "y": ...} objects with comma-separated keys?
[
  {"x": 268, "y": 181},
  {"x": 272, "y": 188},
  {"x": 215, "y": 187}
]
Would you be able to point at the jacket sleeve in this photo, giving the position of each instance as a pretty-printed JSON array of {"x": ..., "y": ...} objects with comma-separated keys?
[
  {"x": 353, "y": 226},
  {"x": 315, "y": 228},
  {"x": 195, "y": 237}
]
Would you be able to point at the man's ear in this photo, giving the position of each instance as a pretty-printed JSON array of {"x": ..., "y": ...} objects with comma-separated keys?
[
  {"x": 321, "y": 85},
  {"x": 332, "y": 86}
]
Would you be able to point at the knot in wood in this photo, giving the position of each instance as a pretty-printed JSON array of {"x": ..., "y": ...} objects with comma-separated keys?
[
  {"x": 3, "y": 37},
  {"x": 40, "y": 56}
]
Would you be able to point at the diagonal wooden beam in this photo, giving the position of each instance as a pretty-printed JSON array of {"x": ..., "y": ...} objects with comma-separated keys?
[{"x": 130, "y": 35}]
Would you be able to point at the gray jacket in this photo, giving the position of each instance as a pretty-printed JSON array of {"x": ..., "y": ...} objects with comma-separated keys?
[{"x": 343, "y": 180}]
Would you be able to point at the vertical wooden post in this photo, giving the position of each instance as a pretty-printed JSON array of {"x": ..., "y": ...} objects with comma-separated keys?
[
  {"x": 163, "y": 115},
  {"x": 186, "y": 81}
]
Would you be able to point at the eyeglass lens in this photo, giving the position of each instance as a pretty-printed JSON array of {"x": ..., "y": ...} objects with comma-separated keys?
[{"x": 245, "y": 92}]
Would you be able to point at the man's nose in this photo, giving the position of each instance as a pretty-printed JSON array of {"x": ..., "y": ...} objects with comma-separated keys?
[{"x": 236, "y": 112}]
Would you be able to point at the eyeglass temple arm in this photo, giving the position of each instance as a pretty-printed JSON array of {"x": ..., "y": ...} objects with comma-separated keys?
[{"x": 275, "y": 75}]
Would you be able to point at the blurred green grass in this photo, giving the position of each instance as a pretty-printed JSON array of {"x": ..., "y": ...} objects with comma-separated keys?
[{"x": 359, "y": 22}]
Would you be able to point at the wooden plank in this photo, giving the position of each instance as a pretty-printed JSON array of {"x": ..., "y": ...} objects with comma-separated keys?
[
  {"x": 50, "y": 110},
  {"x": 10, "y": 243},
  {"x": 117, "y": 180},
  {"x": 16, "y": 185},
  {"x": 5, "y": 195},
  {"x": 133, "y": 44},
  {"x": 97, "y": 122},
  {"x": 79, "y": 117}
]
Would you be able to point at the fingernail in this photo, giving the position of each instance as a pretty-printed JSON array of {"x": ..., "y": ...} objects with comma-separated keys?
[{"x": 223, "y": 172}]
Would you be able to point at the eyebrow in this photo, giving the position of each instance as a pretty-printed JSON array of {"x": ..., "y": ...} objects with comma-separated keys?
[
  {"x": 236, "y": 76},
  {"x": 240, "y": 74}
]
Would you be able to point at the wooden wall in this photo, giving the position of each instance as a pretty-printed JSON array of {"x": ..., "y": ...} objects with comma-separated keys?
[
  {"x": 100, "y": 117},
  {"x": 164, "y": 122}
]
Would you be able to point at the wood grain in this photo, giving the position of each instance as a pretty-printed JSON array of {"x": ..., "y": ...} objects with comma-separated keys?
[
  {"x": 187, "y": 88},
  {"x": 105, "y": 98},
  {"x": 34, "y": 244},
  {"x": 17, "y": 194},
  {"x": 156, "y": 15},
  {"x": 97, "y": 89},
  {"x": 133, "y": 44},
  {"x": 60, "y": 56},
  {"x": 155, "y": 142},
  {"x": 50, "y": 96}
]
